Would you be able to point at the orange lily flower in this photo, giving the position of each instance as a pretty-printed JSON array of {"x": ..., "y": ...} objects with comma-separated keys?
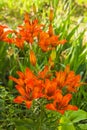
[
  {"x": 73, "y": 82},
  {"x": 68, "y": 79},
  {"x": 20, "y": 81},
  {"x": 30, "y": 30},
  {"x": 60, "y": 79},
  {"x": 19, "y": 42},
  {"x": 44, "y": 42},
  {"x": 50, "y": 89},
  {"x": 4, "y": 31},
  {"x": 27, "y": 95},
  {"x": 47, "y": 40},
  {"x": 24, "y": 78},
  {"x": 28, "y": 86},
  {"x": 45, "y": 73},
  {"x": 61, "y": 103}
]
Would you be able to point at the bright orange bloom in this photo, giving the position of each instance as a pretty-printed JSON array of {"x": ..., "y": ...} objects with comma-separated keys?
[
  {"x": 19, "y": 42},
  {"x": 30, "y": 30},
  {"x": 27, "y": 32},
  {"x": 47, "y": 40},
  {"x": 73, "y": 82},
  {"x": 68, "y": 79},
  {"x": 27, "y": 95},
  {"x": 60, "y": 79},
  {"x": 50, "y": 89},
  {"x": 61, "y": 103},
  {"x": 26, "y": 78},
  {"x": 45, "y": 73},
  {"x": 32, "y": 58},
  {"x": 4, "y": 31},
  {"x": 44, "y": 42},
  {"x": 28, "y": 86},
  {"x": 32, "y": 87}
]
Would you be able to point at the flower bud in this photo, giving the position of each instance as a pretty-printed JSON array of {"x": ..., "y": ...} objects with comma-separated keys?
[
  {"x": 32, "y": 58},
  {"x": 34, "y": 8},
  {"x": 51, "y": 14},
  {"x": 53, "y": 55},
  {"x": 50, "y": 30}
]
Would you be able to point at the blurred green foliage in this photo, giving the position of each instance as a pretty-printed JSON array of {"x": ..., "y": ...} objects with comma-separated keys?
[{"x": 13, "y": 15}]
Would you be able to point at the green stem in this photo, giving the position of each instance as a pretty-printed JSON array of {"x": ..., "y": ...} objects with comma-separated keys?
[{"x": 41, "y": 116}]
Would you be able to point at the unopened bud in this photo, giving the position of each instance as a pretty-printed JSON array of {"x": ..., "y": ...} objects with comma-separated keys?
[
  {"x": 51, "y": 14},
  {"x": 32, "y": 58},
  {"x": 50, "y": 30},
  {"x": 53, "y": 55},
  {"x": 26, "y": 17},
  {"x": 34, "y": 8},
  {"x": 51, "y": 63}
]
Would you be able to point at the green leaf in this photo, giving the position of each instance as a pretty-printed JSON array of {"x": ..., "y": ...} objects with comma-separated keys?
[
  {"x": 83, "y": 126},
  {"x": 24, "y": 124},
  {"x": 21, "y": 66},
  {"x": 76, "y": 116},
  {"x": 72, "y": 32},
  {"x": 55, "y": 3},
  {"x": 66, "y": 124},
  {"x": 21, "y": 128}
]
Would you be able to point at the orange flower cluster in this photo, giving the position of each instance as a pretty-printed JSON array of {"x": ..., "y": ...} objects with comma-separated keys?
[
  {"x": 68, "y": 79},
  {"x": 31, "y": 31},
  {"x": 56, "y": 88},
  {"x": 28, "y": 32},
  {"x": 47, "y": 40},
  {"x": 28, "y": 86},
  {"x": 32, "y": 87}
]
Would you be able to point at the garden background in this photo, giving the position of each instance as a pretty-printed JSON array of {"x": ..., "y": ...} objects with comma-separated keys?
[{"x": 69, "y": 22}]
